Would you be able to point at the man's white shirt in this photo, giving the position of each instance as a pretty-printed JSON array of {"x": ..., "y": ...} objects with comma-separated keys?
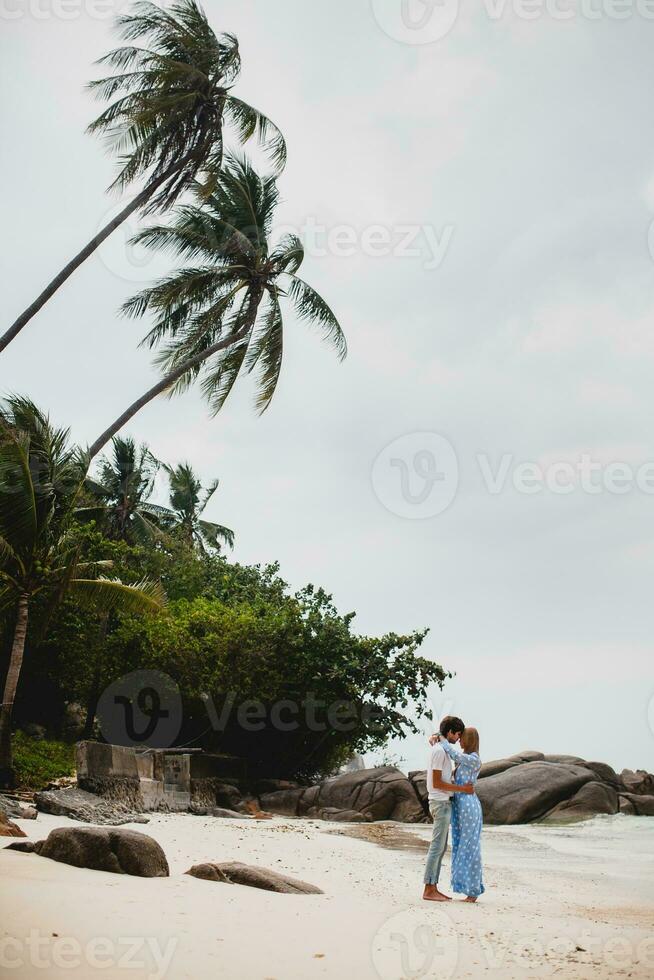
[{"x": 438, "y": 760}]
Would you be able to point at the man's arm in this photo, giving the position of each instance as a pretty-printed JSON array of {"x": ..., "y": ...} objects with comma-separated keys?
[{"x": 439, "y": 783}]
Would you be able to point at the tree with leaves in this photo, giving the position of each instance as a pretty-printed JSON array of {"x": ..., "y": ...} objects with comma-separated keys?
[
  {"x": 173, "y": 99},
  {"x": 122, "y": 489},
  {"x": 188, "y": 500},
  {"x": 40, "y": 479},
  {"x": 222, "y": 314}
]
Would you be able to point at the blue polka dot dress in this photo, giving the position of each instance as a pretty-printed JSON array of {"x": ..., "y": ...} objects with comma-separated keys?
[{"x": 466, "y": 825}]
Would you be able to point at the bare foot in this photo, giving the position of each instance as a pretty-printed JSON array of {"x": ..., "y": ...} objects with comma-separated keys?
[
  {"x": 470, "y": 898},
  {"x": 432, "y": 894}
]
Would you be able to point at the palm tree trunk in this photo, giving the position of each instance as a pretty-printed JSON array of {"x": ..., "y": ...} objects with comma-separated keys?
[
  {"x": 94, "y": 690},
  {"x": 169, "y": 380},
  {"x": 9, "y": 696},
  {"x": 74, "y": 263}
]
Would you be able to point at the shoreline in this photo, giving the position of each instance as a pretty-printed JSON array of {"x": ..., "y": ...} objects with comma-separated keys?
[{"x": 574, "y": 901}]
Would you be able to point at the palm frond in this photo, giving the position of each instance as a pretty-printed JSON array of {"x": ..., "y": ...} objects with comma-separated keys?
[{"x": 111, "y": 595}]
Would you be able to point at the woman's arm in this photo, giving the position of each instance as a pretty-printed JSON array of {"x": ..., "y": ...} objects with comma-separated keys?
[{"x": 454, "y": 752}]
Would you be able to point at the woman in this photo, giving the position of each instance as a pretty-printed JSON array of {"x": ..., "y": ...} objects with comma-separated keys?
[{"x": 466, "y": 817}]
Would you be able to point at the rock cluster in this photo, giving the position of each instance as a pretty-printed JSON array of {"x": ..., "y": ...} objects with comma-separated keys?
[
  {"x": 79, "y": 804},
  {"x": 384, "y": 793},
  {"x": 533, "y": 786}
]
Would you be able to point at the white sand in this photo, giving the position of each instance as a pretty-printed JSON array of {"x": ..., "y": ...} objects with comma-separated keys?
[{"x": 548, "y": 892}]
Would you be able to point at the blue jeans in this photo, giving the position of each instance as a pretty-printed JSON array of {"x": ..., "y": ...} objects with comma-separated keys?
[{"x": 440, "y": 813}]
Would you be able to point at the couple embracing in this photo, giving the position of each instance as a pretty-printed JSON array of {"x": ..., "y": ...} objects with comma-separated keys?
[{"x": 452, "y": 800}]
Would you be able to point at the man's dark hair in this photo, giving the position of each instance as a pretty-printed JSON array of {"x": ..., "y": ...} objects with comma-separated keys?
[{"x": 451, "y": 724}]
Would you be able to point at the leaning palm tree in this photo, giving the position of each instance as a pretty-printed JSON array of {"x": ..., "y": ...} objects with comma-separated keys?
[
  {"x": 122, "y": 488},
  {"x": 174, "y": 88},
  {"x": 187, "y": 503},
  {"x": 223, "y": 313},
  {"x": 40, "y": 479}
]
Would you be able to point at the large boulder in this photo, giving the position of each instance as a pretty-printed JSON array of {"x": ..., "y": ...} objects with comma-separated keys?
[
  {"x": 496, "y": 766},
  {"x": 379, "y": 794},
  {"x": 419, "y": 782},
  {"x": 639, "y": 782},
  {"x": 78, "y": 804},
  {"x": 126, "y": 852},
  {"x": 528, "y": 791},
  {"x": 8, "y": 828},
  {"x": 605, "y": 773},
  {"x": 235, "y": 873},
  {"x": 638, "y": 803},
  {"x": 573, "y": 760},
  {"x": 591, "y": 799},
  {"x": 284, "y": 801}
]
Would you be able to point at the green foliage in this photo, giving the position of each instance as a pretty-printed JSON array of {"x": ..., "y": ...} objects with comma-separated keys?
[
  {"x": 39, "y": 762},
  {"x": 174, "y": 79},
  {"x": 252, "y": 641},
  {"x": 233, "y": 290}
]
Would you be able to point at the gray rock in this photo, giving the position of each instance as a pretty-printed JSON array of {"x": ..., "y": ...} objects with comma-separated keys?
[
  {"x": 605, "y": 773},
  {"x": 496, "y": 766},
  {"x": 27, "y": 846},
  {"x": 572, "y": 760},
  {"x": 105, "y": 849},
  {"x": 235, "y": 873},
  {"x": 643, "y": 806},
  {"x": 17, "y": 810},
  {"x": 626, "y": 806},
  {"x": 285, "y": 802},
  {"x": 591, "y": 799},
  {"x": 384, "y": 793},
  {"x": 78, "y": 804},
  {"x": 639, "y": 782},
  {"x": 528, "y": 791}
]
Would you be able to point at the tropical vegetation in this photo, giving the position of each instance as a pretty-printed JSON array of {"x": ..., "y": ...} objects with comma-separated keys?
[{"x": 100, "y": 576}]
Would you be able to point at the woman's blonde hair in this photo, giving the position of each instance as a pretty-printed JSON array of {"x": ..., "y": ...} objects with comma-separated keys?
[{"x": 470, "y": 740}]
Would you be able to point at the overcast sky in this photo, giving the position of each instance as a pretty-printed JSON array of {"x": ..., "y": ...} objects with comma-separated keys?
[{"x": 477, "y": 205}]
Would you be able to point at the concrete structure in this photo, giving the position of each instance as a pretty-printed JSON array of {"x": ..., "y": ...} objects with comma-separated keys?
[
  {"x": 149, "y": 779},
  {"x": 154, "y": 779}
]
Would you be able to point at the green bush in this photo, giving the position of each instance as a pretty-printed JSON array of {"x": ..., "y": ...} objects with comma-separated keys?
[{"x": 37, "y": 763}]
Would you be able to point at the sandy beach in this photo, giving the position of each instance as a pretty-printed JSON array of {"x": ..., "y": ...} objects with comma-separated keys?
[{"x": 574, "y": 901}]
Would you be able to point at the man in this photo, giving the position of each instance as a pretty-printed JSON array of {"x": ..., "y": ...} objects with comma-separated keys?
[{"x": 440, "y": 789}]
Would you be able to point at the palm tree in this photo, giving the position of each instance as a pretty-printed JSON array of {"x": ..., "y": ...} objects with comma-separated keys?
[
  {"x": 40, "y": 478},
  {"x": 122, "y": 488},
  {"x": 174, "y": 99},
  {"x": 223, "y": 314},
  {"x": 187, "y": 502}
]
